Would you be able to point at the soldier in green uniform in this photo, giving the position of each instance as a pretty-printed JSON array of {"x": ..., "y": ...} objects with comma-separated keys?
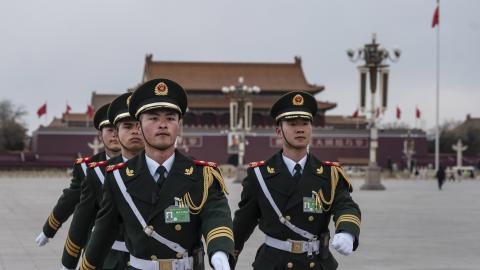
[
  {"x": 292, "y": 197},
  {"x": 71, "y": 195},
  {"x": 165, "y": 200},
  {"x": 131, "y": 142}
]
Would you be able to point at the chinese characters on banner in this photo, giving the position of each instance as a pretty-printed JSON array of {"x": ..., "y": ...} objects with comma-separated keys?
[{"x": 328, "y": 142}]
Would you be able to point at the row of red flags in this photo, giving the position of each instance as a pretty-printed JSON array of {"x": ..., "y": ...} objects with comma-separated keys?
[
  {"x": 398, "y": 113},
  {"x": 43, "y": 110}
]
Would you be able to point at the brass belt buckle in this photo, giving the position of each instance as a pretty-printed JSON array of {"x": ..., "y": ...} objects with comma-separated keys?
[
  {"x": 165, "y": 264},
  {"x": 296, "y": 246}
]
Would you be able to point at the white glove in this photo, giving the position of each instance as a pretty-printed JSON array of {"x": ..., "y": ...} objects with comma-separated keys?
[
  {"x": 343, "y": 243},
  {"x": 64, "y": 268},
  {"x": 41, "y": 240},
  {"x": 220, "y": 261}
]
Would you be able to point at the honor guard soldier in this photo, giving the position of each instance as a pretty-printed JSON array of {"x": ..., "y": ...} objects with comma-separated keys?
[
  {"x": 131, "y": 142},
  {"x": 71, "y": 195},
  {"x": 165, "y": 200},
  {"x": 292, "y": 197}
]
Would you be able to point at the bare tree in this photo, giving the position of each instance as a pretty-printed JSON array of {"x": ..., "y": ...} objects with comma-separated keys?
[{"x": 12, "y": 126}]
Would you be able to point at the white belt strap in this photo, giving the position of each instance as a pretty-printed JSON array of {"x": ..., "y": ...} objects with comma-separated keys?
[
  {"x": 120, "y": 246},
  {"x": 282, "y": 219},
  {"x": 147, "y": 229},
  {"x": 293, "y": 246},
  {"x": 84, "y": 168},
  {"x": 99, "y": 174},
  {"x": 185, "y": 263}
]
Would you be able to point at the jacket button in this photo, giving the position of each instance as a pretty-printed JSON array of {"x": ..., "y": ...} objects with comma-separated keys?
[
  {"x": 290, "y": 265},
  {"x": 178, "y": 227},
  {"x": 312, "y": 264},
  {"x": 287, "y": 217},
  {"x": 179, "y": 255},
  {"x": 311, "y": 218}
]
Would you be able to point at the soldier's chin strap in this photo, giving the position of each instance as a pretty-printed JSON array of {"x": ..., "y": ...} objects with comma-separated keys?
[
  {"x": 283, "y": 134},
  {"x": 120, "y": 142},
  {"x": 145, "y": 138}
]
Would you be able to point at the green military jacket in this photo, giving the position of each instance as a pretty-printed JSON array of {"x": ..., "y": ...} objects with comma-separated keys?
[
  {"x": 254, "y": 209},
  {"x": 84, "y": 218},
  {"x": 197, "y": 184},
  {"x": 70, "y": 196}
]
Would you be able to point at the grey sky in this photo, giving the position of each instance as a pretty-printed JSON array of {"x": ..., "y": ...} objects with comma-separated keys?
[{"x": 59, "y": 51}]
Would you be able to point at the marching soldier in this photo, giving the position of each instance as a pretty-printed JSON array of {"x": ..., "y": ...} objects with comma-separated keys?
[
  {"x": 292, "y": 197},
  {"x": 71, "y": 195},
  {"x": 165, "y": 200},
  {"x": 131, "y": 142}
]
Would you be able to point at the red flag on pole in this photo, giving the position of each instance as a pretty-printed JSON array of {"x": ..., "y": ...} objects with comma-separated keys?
[
  {"x": 355, "y": 114},
  {"x": 436, "y": 16},
  {"x": 399, "y": 113},
  {"x": 42, "y": 110},
  {"x": 418, "y": 113},
  {"x": 90, "y": 111},
  {"x": 68, "y": 109}
]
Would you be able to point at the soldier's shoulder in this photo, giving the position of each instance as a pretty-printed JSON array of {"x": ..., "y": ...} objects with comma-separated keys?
[
  {"x": 331, "y": 164},
  {"x": 97, "y": 164},
  {"x": 82, "y": 160},
  {"x": 113, "y": 167},
  {"x": 205, "y": 163},
  {"x": 256, "y": 164}
]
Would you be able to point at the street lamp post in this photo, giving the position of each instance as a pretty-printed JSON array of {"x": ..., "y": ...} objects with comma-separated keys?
[
  {"x": 375, "y": 66},
  {"x": 241, "y": 110}
]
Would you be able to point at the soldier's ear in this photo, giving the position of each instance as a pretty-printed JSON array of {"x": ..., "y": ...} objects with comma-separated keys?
[
  {"x": 278, "y": 130},
  {"x": 99, "y": 134}
]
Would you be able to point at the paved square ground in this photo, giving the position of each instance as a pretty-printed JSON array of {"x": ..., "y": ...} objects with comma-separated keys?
[{"x": 411, "y": 225}]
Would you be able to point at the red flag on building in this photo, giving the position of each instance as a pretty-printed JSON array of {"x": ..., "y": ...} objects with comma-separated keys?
[
  {"x": 418, "y": 113},
  {"x": 68, "y": 109},
  {"x": 355, "y": 114},
  {"x": 436, "y": 16},
  {"x": 399, "y": 113},
  {"x": 42, "y": 110},
  {"x": 90, "y": 111}
]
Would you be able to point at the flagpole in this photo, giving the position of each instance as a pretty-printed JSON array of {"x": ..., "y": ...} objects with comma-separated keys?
[
  {"x": 46, "y": 114},
  {"x": 437, "y": 127}
]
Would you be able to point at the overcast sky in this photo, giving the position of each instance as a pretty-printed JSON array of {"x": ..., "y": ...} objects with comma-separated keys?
[{"x": 61, "y": 51}]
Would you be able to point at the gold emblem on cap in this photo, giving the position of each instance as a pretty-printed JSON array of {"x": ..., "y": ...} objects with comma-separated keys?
[
  {"x": 161, "y": 89},
  {"x": 128, "y": 100},
  {"x": 297, "y": 100}
]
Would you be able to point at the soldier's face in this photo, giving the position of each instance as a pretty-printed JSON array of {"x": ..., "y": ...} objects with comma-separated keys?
[
  {"x": 109, "y": 139},
  {"x": 161, "y": 128},
  {"x": 129, "y": 135},
  {"x": 298, "y": 132}
]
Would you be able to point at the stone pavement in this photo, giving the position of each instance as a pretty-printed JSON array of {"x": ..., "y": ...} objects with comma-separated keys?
[{"x": 409, "y": 226}]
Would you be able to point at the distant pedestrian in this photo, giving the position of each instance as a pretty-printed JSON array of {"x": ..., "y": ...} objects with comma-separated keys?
[{"x": 440, "y": 176}]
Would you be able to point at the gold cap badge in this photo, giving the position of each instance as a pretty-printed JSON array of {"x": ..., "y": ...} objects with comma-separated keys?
[
  {"x": 297, "y": 100},
  {"x": 161, "y": 89}
]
